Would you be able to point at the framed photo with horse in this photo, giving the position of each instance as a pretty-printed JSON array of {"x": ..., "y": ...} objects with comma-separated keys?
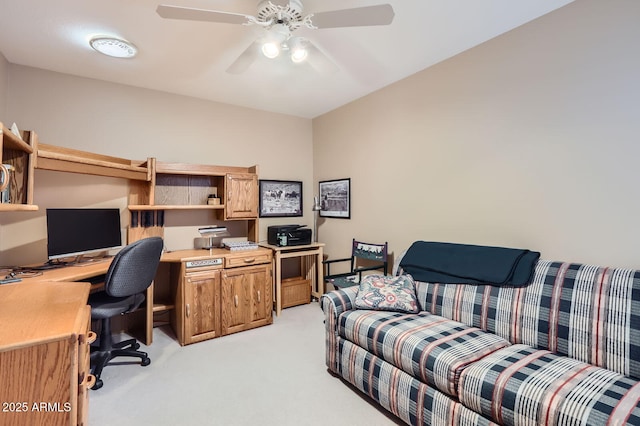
[
  {"x": 335, "y": 198},
  {"x": 280, "y": 198}
]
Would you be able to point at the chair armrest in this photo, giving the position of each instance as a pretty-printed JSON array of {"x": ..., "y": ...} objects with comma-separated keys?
[
  {"x": 335, "y": 260},
  {"x": 340, "y": 275},
  {"x": 367, "y": 268},
  {"x": 329, "y": 262}
]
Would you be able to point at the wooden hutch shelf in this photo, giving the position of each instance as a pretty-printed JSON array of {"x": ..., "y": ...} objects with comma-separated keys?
[
  {"x": 18, "y": 207},
  {"x": 11, "y": 141},
  {"x": 143, "y": 207},
  {"x": 56, "y": 158},
  {"x": 19, "y": 152}
]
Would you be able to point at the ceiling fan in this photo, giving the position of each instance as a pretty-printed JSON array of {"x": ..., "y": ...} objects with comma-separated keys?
[{"x": 280, "y": 19}]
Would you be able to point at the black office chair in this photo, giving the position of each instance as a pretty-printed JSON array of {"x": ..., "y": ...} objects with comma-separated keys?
[
  {"x": 374, "y": 256},
  {"x": 129, "y": 275}
]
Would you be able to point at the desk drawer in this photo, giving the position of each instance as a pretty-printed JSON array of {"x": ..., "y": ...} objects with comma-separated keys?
[{"x": 247, "y": 259}]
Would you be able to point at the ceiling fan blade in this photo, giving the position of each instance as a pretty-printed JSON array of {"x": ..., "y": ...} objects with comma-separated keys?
[
  {"x": 381, "y": 14},
  {"x": 177, "y": 12},
  {"x": 245, "y": 59},
  {"x": 319, "y": 61}
]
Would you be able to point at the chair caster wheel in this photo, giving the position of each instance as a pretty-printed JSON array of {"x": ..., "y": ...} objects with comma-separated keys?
[
  {"x": 136, "y": 346},
  {"x": 145, "y": 362},
  {"x": 97, "y": 385}
]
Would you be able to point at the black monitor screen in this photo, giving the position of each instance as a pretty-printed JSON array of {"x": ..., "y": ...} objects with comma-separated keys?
[{"x": 73, "y": 232}]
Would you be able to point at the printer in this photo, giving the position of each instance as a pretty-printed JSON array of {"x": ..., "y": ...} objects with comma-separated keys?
[{"x": 288, "y": 235}]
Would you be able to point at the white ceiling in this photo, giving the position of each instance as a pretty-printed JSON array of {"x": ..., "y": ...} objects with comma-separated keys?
[{"x": 190, "y": 58}]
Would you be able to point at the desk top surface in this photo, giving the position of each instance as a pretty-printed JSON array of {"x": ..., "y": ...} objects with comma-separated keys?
[
  {"x": 40, "y": 311},
  {"x": 73, "y": 272},
  {"x": 93, "y": 269},
  {"x": 293, "y": 248}
]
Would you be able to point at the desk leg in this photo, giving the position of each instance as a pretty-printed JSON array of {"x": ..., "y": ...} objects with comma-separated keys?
[
  {"x": 148, "y": 326},
  {"x": 319, "y": 273},
  {"x": 277, "y": 282}
]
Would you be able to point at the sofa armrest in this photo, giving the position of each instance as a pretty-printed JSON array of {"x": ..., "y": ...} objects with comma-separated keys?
[
  {"x": 338, "y": 301},
  {"x": 333, "y": 304}
]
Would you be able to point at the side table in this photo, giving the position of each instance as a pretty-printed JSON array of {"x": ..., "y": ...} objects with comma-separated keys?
[{"x": 310, "y": 264}]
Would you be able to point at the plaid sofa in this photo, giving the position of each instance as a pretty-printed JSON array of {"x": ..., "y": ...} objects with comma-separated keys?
[{"x": 563, "y": 350}]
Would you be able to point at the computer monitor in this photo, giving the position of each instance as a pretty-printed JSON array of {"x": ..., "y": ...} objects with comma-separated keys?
[{"x": 80, "y": 231}]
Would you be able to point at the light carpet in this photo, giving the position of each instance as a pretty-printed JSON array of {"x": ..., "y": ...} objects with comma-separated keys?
[{"x": 272, "y": 375}]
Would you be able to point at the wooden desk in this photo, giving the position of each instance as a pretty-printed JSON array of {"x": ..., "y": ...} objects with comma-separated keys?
[
  {"x": 44, "y": 353},
  {"x": 139, "y": 323},
  {"x": 310, "y": 263},
  {"x": 74, "y": 272}
]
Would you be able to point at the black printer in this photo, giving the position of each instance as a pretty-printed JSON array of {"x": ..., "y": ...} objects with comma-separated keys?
[{"x": 288, "y": 235}]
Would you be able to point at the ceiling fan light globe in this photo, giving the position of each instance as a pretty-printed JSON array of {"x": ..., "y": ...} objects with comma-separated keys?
[
  {"x": 271, "y": 50},
  {"x": 299, "y": 55}
]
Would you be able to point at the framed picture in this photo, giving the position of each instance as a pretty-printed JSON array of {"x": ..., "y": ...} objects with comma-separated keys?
[
  {"x": 280, "y": 198},
  {"x": 335, "y": 198}
]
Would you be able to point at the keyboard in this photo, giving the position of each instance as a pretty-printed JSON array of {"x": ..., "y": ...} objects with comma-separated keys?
[{"x": 241, "y": 245}]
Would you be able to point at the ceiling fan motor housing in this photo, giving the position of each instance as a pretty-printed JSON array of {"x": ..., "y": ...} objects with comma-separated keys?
[{"x": 289, "y": 15}]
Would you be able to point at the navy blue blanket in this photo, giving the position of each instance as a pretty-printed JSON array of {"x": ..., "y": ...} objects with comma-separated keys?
[{"x": 451, "y": 263}]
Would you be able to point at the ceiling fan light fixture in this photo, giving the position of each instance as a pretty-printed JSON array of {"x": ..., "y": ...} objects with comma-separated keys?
[
  {"x": 299, "y": 55},
  {"x": 299, "y": 50},
  {"x": 271, "y": 50},
  {"x": 114, "y": 47},
  {"x": 272, "y": 44}
]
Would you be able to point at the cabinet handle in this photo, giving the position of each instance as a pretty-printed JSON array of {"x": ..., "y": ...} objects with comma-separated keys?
[
  {"x": 188, "y": 310},
  {"x": 91, "y": 337},
  {"x": 91, "y": 381},
  {"x": 258, "y": 296},
  {"x": 235, "y": 300},
  {"x": 251, "y": 260}
]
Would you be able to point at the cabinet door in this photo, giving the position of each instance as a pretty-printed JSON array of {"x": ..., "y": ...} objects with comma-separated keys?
[
  {"x": 201, "y": 313},
  {"x": 242, "y": 196},
  {"x": 246, "y": 298},
  {"x": 261, "y": 299}
]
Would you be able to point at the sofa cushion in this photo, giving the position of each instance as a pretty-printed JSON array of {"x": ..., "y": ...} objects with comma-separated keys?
[
  {"x": 387, "y": 293},
  {"x": 587, "y": 312},
  {"x": 520, "y": 385},
  {"x": 431, "y": 348},
  {"x": 408, "y": 398}
]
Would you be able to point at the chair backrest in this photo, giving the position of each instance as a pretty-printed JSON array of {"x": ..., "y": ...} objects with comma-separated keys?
[
  {"x": 134, "y": 267},
  {"x": 369, "y": 252}
]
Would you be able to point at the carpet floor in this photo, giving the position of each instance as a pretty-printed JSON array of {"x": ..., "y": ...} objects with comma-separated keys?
[{"x": 272, "y": 375}]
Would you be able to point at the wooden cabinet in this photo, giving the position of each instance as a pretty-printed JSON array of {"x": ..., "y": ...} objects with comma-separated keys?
[
  {"x": 217, "y": 291},
  {"x": 44, "y": 353},
  {"x": 20, "y": 154},
  {"x": 199, "y": 306},
  {"x": 247, "y": 300},
  {"x": 242, "y": 196}
]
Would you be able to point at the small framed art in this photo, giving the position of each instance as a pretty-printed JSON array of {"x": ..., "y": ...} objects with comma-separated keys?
[
  {"x": 335, "y": 198},
  {"x": 280, "y": 198}
]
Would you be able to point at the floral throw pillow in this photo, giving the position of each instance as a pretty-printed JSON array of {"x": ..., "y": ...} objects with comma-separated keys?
[{"x": 387, "y": 293}]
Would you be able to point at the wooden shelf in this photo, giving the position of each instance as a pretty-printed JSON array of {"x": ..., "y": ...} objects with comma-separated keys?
[
  {"x": 11, "y": 141},
  {"x": 200, "y": 169},
  {"x": 162, "y": 307},
  {"x": 18, "y": 207},
  {"x": 75, "y": 161},
  {"x": 143, "y": 207},
  {"x": 19, "y": 152}
]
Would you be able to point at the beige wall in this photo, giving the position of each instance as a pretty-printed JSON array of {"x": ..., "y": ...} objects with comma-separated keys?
[
  {"x": 4, "y": 77},
  {"x": 137, "y": 123},
  {"x": 529, "y": 140}
]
